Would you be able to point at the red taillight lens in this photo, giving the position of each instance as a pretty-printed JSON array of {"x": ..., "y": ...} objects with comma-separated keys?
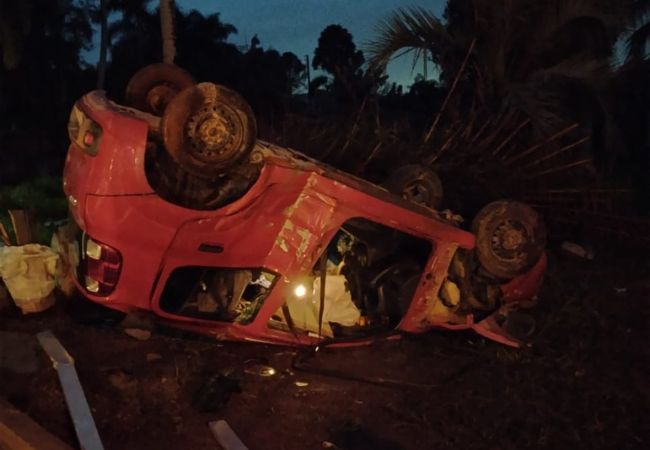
[
  {"x": 100, "y": 267},
  {"x": 84, "y": 131},
  {"x": 89, "y": 139}
]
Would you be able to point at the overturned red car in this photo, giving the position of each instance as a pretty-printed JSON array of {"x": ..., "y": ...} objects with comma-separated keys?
[{"x": 182, "y": 212}]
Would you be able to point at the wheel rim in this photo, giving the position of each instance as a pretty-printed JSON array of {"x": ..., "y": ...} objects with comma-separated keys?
[
  {"x": 158, "y": 98},
  {"x": 151, "y": 88},
  {"x": 417, "y": 192},
  {"x": 509, "y": 239},
  {"x": 211, "y": 133}
]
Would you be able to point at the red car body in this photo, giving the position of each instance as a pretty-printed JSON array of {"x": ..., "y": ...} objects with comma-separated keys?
[{"x": 282, "y": 224}]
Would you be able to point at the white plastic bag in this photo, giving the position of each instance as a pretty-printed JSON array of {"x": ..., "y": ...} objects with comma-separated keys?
[
  {"x": 338, "y": 306},
  {"x": 28, "y": 272}
]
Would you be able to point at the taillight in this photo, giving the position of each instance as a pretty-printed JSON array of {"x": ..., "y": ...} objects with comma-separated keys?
[
  {"x": 84, "y": 131},
  {"x": 100, "y": 267}
]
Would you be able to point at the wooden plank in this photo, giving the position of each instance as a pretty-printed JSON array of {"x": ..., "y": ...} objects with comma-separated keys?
[
  {"x": 19, "y": 432},
  {"x": 23, "y": 223},
  {"x": 82, "y": 418},
  {"x": 4, "y": 235}
]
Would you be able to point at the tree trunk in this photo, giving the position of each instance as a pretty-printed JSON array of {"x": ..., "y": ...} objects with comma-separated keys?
[
  {"x": 103, "y": 45},
  {"x": 167, "y": 31}
]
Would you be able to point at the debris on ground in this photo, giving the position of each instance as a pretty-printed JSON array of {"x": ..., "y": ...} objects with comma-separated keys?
[
  {"x": 123, "y": 382},
  {"x": 215, "y": 392},
  {"x": 28, "y": 272},
  {"x": 151, "y": 357},
  {"x": 261, "y": 370},
  {"x": 226, "y": 436},
  {"x": 75, "y": 398},
  {"x": 138, "y": 333},
  {"x": 138, "y": 325},
  {"x": 577, "y": 250}
]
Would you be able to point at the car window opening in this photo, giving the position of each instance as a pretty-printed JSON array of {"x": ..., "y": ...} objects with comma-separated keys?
[
  {"x": 372, "y": 274},
  {"x": 218, "y": 294}
]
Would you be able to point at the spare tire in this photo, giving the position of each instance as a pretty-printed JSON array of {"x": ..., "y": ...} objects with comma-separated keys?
[
  {"x": 154, "y": 86},
  {"x": 418, "y": 184},
  {"x": 208, "y": 128},
  {"x": 510, "y": 238}
]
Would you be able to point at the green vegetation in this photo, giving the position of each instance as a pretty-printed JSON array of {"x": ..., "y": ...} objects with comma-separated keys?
[{"x": 43, "y": 195}]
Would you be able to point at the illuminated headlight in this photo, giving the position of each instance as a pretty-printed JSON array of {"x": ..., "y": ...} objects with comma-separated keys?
[
  {"x": 300, "y": 291},
  {"x": 93, "y": 250}
]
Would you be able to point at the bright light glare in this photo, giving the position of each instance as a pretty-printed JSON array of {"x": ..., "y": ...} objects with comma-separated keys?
[{"x": 300, "y": 291}]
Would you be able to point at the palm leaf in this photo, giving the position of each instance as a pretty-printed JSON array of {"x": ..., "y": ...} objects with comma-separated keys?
[
  {"x": 636, "y": 43},
  {"x": 409, "y": 30}
]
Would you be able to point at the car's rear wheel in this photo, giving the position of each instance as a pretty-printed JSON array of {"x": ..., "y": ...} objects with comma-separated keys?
[
  {"x": 208, "y": 128},
  {"x": 154, "y": 86},
  {"x": 418, "y": 184},
  {"x": 510, "y": 238}
]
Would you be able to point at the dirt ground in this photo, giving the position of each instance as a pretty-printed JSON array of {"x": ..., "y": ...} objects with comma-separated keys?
[{"x": 584, "y": 383}]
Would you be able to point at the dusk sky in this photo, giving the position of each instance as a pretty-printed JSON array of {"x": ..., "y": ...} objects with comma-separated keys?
[{"x": 294, "y": 25}]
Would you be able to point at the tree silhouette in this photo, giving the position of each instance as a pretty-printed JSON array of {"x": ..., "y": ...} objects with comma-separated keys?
[
  {"x": 15, "y": 24},
  {"x": 166, "y": 10},
  {"x": 45, "y": 74},
  {"x": 338, "y": 55}
]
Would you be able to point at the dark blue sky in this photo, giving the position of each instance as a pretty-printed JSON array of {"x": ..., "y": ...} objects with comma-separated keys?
[{"x": 294, "y": 25}]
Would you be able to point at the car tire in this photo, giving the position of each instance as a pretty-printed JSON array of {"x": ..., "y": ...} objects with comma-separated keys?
[
  {"x": 154, "y": 86},
  {"x": 510, "y": 238},
  {"x": 207, "y": 129},
  {"x": 418, "y": 184}
]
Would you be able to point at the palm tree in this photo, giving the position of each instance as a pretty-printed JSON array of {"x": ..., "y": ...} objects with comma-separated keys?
[
  {"x": 638, "y": 38},
  {"x": 167, "y": 31},
  {"x": 525, "y": 54},
  {"x": 525, "y": 94},
  {"x": 103, "y": 43}
]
